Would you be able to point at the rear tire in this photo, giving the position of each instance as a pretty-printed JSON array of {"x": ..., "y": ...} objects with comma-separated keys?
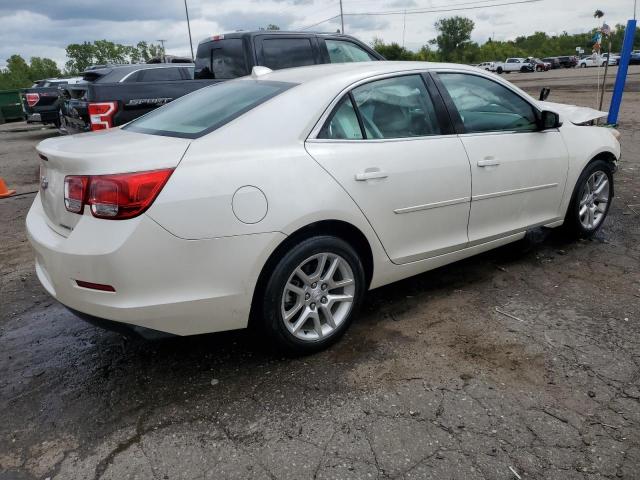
[
  {"x": 590, "y": 201},
  {"x": 312, "y": 295},
  {"x": 499, "y": 70}
]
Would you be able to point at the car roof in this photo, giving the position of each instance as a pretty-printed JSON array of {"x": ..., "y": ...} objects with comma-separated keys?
[
  {"x": 243, "y": 34},
  {"x": 353, "y": 71}
]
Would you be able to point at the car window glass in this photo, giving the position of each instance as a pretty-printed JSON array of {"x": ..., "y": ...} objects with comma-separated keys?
[
  {"x": 345, "y": 52},
  {"x": 343, "y": 124},
  {"x": 206, "y": 109},
  {"x": 486, "y": 106},
  {"x": 287, "y": 52},
  {"x": 397, "y": 107},
  {"x": 227, "y": 60},
  {"x": 159, "y": 75}
]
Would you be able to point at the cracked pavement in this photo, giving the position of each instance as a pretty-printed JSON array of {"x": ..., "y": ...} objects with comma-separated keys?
[{"x": 525, "y": 359}]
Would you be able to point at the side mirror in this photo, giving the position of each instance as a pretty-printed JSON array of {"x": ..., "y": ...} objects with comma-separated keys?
[
  {"x": 544, "y": 94},
  {"x": 549, "y": 120}
]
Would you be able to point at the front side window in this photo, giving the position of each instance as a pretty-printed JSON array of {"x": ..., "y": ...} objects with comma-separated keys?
[
  {"x": 487, "y": 106},
  {"x": 206, "y": 109},
  {"x": 287, "y": 52},
  {"x": 397, "y": 107},
  {"x": 343, "y": 124},
  {"x": 346, "y": 52}
]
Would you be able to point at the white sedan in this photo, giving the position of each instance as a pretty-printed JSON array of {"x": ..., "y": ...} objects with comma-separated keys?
[{"x": 280, "y": 198}]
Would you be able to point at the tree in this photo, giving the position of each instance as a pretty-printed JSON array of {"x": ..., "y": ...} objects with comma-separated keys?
[
  {"x": 102, "y": 52},
  {"x": 454, "y": 36},
  {"x": 19, "y": 74},
  {"x": 271, "y": 26},
  {"x": 43, "y": 68},
  {"x": 392, "y": 51}
]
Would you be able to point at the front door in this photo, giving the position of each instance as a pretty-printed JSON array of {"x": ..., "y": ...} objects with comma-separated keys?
[
  {"x": 389, "y": 148},
  {"x": 518, "y": 172}
]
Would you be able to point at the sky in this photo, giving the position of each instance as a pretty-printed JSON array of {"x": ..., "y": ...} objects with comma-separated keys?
[{"x": 44, "y": 27}]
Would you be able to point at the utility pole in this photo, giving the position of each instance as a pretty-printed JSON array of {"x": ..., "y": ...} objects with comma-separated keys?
[
  {"x": 341, "y": 18},
  {"x": 161, "y": 40},
  {"x": 404, "y": 26},
  {"x": 186, "y": 10}
]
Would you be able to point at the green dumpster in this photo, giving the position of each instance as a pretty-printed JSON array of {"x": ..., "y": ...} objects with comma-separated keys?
[{"x": 11, "y": 105}]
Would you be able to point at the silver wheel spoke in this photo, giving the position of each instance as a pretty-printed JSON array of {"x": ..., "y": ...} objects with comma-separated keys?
[
  {"x": 317, "y": 326},
  {"x": 301, "y": 321},
  {"x": 289, "y": 314},
  {"x": 583, "y": 210},
  {"x": 329, "y": 316},
  {"x": 340, "y": 283},
  {"x": 303, "y": 276},
  {"x": 592, "y": 211},
  {"x": 332, "y": 270},
  {"x": 295, "y": 289}
]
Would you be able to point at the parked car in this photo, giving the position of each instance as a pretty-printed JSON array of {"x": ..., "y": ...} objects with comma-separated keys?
[
  {"x": 568, "y": 62},
  {"x": 114, "y": 95},
  {"x": 538, "y": 65},
  {"x": 553, "y": 62},
  {"x": 514, "y": 65},
  {"x": 635, "y": 57},
  {"x": 615, "y": 58},
  {"x": 41, "y": 102},
  {"x": 489, "y": 66},
  {"x": 177, "y": 223},
  {"x": 595, "y": 61}
]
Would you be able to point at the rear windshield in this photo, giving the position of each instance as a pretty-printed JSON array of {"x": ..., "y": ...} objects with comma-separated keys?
[{"x": 207, "y": 109}]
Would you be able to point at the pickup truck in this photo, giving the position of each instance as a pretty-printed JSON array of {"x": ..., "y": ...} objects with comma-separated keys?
[
  {"x": 114, "y": 95},
  {"x": 41, "y": 101},
  {"x": 514, "y": 65}
]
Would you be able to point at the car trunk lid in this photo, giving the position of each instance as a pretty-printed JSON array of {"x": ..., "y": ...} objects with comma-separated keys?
[{"x": 101, "y": 153}]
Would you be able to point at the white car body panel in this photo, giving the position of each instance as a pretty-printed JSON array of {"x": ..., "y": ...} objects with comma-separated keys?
[
  {"x": 511, "y": 173},
  {"x": 191, "y": 262}
]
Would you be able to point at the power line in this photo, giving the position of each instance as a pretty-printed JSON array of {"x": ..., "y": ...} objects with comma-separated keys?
[
  {"x": 422, "y": 11},
  {"x": 416, "y": 12}
]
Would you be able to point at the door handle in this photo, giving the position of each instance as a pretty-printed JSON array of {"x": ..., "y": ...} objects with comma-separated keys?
[
  {"x": 370, "y": 174},
  {"x": 488, "y": 162}
]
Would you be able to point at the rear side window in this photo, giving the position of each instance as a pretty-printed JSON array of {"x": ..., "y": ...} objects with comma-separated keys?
[
  {"x": 221, "y": 59},
  {"x": 345, "y": 52},
  {"x": 287, "y": 52},
  {"x": 159, "y": 75},
  {"x": 343, "y": 124},
  {"x": 207, "y": 109},
  {"x": 398, "y": 107}
]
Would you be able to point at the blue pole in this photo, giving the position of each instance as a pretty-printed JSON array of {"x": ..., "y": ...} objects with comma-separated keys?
[{"x": 621, "y": 78}]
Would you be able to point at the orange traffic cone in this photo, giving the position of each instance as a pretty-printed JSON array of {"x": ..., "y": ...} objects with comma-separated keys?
[{"x": 4, "y": 191}]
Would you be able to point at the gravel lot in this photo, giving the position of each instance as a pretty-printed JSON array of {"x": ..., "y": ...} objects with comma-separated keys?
[{"x": 523, "y": 361}]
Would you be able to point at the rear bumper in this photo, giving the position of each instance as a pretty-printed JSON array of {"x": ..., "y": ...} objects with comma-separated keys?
[{"x": 161, "y": 282}]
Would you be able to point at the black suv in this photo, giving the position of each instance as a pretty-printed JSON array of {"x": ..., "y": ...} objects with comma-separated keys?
[{"x": 235, "y": 54}]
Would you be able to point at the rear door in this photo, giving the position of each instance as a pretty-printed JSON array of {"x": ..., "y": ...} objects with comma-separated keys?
[
  {"x": 518, "y": 172},
  {"x": 287, "y": 51},
  {"x": 389, "y": 143}
]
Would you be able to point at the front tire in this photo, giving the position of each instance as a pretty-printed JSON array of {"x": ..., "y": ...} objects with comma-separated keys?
[
  {"x": 591, "y": 200},
  {"x": 312, "y": 295}
]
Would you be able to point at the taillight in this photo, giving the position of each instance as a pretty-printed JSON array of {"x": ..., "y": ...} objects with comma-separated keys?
[
  {"x": 115, "y": 197},
  {"x": 101, "y": 114},
  {"x": 75, "y": 188},
  {"x": 32, "y": 98}
]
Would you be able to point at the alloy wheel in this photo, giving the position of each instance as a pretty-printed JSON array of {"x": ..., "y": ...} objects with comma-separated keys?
[
  {"x": 594, "y": 198},
  {"x": 318, "y": 296}
]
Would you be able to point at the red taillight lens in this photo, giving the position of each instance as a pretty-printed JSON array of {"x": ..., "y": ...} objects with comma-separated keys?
[
  {"x": 115, "y": 197},
  {"x": 101, "y": 114},
  {"x": 32, "y": 98},
  {"x": 75, "y": 188}
]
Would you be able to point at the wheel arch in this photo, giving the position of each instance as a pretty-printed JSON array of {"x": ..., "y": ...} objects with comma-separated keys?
[{"x": 337, "y": 228}]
